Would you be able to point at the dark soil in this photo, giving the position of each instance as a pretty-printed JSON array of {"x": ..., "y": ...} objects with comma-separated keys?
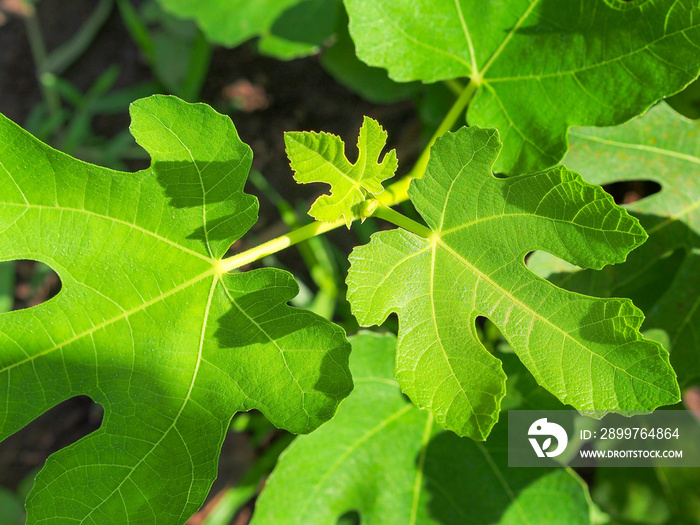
[{"x": 300, "y": 95}]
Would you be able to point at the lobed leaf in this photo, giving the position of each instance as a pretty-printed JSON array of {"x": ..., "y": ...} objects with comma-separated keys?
[
  {"x": 146, "y": 322},
  {"x": 384, "y": 459},
  {"x": 587, "y": 351},
  {"x": 663, "y": 147},
  {"x": 320, "y": 157},
  {"x": 539, "y": 66}
]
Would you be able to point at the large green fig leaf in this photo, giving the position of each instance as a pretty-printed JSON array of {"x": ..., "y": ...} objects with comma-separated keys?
[
  {"x": 385, "y": 459},
  {"x": 664, "y": 147},
  {"x": 320, "y": 157},
  {"x": 287, "y": 28},
  {"x": 539, "y": 66},
  {"x": 587, "y": 351},
  {"x": 147, "y": 323}
]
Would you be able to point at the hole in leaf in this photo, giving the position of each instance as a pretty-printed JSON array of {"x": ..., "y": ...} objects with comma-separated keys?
[
  {"x": 627, "y": 192},
  {"x": 237, "y": 456},
  {"x": 645, "y": 288},
  {"x": 26, "y": 283},
  {"x": 490, "y": 336},
  {"x": 350, "y": 518},
  {"x": 24, "y": 452}
]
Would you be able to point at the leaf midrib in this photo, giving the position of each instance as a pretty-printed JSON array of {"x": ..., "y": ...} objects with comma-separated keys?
[
  {"x": 529, "y": 215},
  {"x": 442, "y": 346},
  {"x": 467, "y": 35},
  {"x": 124, "y": 315},
  {"x": 641, "y": 147},
  {"x": 535, "y": 314},
  {"x": 186, "y": 400},
  {"x": 115, "y": 220},
  {"x": 508, "y": 37},
  {"x": 390, "y": 20},
  {"x": 597, "y": 64}
]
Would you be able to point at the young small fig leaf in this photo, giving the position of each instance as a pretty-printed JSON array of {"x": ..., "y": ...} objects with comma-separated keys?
[
  {"x": 146, "y": 323},
  {"x": 663, "y": 275},
  {"x": 320, "y": 157},
  {"x": 538, "y": 67},
  {"x": 587, "y": 351},
  {"x": 388, "y": 461}
]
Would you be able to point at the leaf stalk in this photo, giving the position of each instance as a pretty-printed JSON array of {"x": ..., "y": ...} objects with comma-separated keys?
[
  {"x": 38, "y": 49},
  {"x": 394, "y": 217},
  {"x": 393, "y": 194},
  {"x": 279, "y": 243}
]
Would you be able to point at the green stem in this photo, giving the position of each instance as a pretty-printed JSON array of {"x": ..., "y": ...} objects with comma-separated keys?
[
  {"x": 394, "y": 194},
  {"x": 398, "y": 191},
  {"x": 394, "y": 217},
  {"x": 455, "y": 86},
  {"x": 36, "y": 44},
  {"x": 279, "y": 244},
  {"x": 453, "y": 115}
]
